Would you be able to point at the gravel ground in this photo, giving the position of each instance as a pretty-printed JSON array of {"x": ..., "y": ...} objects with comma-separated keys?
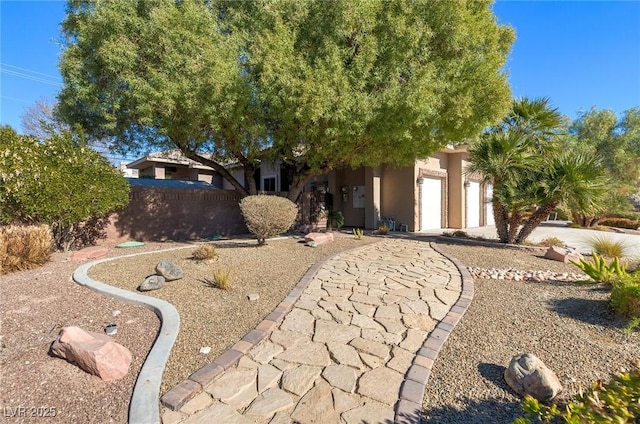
[
  {"x": 570, "y": 327},
  {"x": 211, "y": 316}
]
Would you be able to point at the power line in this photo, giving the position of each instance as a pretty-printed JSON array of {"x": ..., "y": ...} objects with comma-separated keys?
[
  {"x": 29, "y": 70},
  {"x": 30, "y": 77}
]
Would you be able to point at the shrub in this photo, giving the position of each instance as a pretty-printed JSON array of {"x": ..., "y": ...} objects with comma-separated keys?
[
  {"x": 358, "y": 233},
  {"x": 222, "y": 278},
  {"x": 60, "y": 182},
  {"x": 335, "y": 218},
  {"x": 625, "y": 297},
  {"x": 620, "y": 223},
  {"x": 382, "y": 229},
  {"x": 551, "y": 241},
  {"x": 614, "y": 402},
  {"x": 24, "y": 248},
  {"x": 607, "y": 247},
  {"x": 600, "y": 270},
  {"x": 204, "y": 253},
  {"x": 268, "y": 216}
]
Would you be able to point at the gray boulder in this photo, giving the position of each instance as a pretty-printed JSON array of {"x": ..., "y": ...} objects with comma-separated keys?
[
  {"x": 152, "y": 282},
  {"x": 169, "y": 270},
  {"x": 528, "y": 375}
]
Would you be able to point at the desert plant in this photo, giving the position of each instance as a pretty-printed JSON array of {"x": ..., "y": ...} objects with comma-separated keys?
[
  {"x": 600, "y": 270},
  {"x": 625, "y": 297},
  {"x": 617, "y": 401},
  {"x": 382, "y": 229},
  {"x": 358, "y": 233},
  {"x": 620, "y": 223},
  {"x": 607, "y": 247},
  {"x": 335, "y": 218},
  {"x": 551, "y": 241},
  {"x": 222, "y": 278},
  {"x": 268, "y": 216},
  {"x": 204, "y": 253},
  {"x": 456, "y": 233},
  {"x": 24, "y": 247}
]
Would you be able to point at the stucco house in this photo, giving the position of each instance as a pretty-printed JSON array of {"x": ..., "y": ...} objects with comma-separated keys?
[{"x": 433, "y": 193}]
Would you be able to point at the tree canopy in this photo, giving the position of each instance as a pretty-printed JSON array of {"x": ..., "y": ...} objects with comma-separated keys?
[{"x": 313, "y": 87}]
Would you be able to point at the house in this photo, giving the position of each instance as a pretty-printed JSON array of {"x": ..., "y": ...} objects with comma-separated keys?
[
  {"x": 434, "y": 193},
  {"x": 173, "y": 165}
]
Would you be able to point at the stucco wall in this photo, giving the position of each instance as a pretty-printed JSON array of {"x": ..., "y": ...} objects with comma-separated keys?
[{"x": 398, "y": 196}]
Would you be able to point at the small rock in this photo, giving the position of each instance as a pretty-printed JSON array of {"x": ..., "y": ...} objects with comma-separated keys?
[
  {"x": 253, "y": 296},
  {"x": 169, "y": 270},
  {"x": 318, "y": 238},
  {"x": 152, "y": 282},
  {"x": 205, "y": 350},
  {"x": 562, "y": 255},
  {"x": 312, "y": 244},
  {"x": 111, "y": 329},
  {"x": 528, "y": 375},
  {"x": 116, "y": 313},
  {"x": 94, "y": 353}
]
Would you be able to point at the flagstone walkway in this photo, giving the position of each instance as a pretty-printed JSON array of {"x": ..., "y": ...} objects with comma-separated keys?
[{"x": 355, "y": 345}]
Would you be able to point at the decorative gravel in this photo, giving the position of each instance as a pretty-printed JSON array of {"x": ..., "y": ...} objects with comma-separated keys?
[
  {"x": 213, "y": 317},
  {"x": 570, "y": 327}
]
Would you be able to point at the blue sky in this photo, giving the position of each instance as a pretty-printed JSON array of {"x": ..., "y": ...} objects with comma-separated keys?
[{"x": 579, "y": 54}]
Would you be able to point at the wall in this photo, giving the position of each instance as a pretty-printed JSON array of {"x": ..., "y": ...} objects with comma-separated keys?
[
  {"x": 350, "y": 178},
  {"x": 159, "y": 213},
  {"x": 397, "y": 195}
]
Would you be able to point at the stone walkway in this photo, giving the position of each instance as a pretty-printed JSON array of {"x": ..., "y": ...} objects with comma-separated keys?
[{"x": 356, "y": 345}]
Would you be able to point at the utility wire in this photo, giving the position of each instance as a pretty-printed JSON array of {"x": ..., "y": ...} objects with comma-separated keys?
[
  {"x": 29, "y": 71},
  {"x": 29, "y": 77}
]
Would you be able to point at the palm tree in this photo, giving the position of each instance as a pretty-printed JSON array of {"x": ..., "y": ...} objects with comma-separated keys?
[{"x": 529, "y": 174}]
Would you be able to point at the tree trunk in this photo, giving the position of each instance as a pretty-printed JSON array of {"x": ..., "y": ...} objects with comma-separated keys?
[
  {"x": 514, "y": 224},
  {"x": 501, "y": 218},
  {"x": 221, "y": 170},
  {"x": 534, "y": 220}
]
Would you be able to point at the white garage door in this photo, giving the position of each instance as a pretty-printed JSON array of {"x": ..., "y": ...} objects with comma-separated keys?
[
  {"x": 473, "y": 205},
  {"x": 431, "y": 204},
  {"x": 489, "y": 206}
]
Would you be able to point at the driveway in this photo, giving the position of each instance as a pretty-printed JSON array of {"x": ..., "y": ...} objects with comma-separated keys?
[{"x": 577, "y": 238}]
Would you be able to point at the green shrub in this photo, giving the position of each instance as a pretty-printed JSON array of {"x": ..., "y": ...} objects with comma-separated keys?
[
  {"x": 268, "y": 216},
  {"x": 204, "y": 253},
  {"x": 625, "y": 297},
  {"x": 600, "y": 270},
  {"x": 60, "y": 182},
  {"x": 607, "y": 247},
  {"x": 617, "y": 401},
  {"x": 551, "y": 241},
  {"x": 335, "y": 218},
  {"x": 24, "y": 247},
  {"x": 358, "y": 233},
  {"x": 620, "y": 223}
]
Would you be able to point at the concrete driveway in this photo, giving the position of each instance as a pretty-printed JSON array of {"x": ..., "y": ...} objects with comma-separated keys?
[{"x": 577, "y": 238}]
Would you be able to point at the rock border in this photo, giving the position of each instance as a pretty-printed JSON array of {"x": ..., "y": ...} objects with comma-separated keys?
[{"x": 144, "y": 405}]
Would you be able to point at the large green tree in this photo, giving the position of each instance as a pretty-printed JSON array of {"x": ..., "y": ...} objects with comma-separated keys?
[
  {"x": 530, "y": 174},
  {"x": 616, "y": 141},
  {"x": 314, "y": 85}
]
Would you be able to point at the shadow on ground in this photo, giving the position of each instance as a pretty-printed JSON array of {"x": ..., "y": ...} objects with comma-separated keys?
[
  {"x": 590, "y": 311},
  {"x": 474, "y": 412}
]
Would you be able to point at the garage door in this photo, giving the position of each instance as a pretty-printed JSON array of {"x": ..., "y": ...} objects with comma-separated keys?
[
  {"x": 489, "y": 206},
  {"x": 431, "y": 204},
  {"x": 473, "y": 205}
]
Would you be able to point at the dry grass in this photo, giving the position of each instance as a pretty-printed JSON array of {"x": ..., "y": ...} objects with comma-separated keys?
[
  {"x": 608, "y": 248},
  {"x": 222, "y": 278},
  {"x": 206, "y": 252},
  {"x": 24, "y": 247}
]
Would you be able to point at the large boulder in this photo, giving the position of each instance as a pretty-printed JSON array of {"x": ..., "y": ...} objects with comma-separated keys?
[
  {"x": 169, "y": 270},
  {"x": 319, "y": 238},
  {"x": 561, "y": 254},
  {"x": 94, "y": 353},
  {"x": 528, "y": 375},
  {"x": 152, "y": 282}
]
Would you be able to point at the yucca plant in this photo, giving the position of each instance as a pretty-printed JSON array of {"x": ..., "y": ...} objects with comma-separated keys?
[
  {"x": 223, "y": 278},
  {"x": 358, "y": 233}
]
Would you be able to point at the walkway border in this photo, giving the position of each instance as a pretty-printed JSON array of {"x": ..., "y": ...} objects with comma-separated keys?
[
  {"x": 409, "y": 406},
  {"x": 144, "y": 405}
]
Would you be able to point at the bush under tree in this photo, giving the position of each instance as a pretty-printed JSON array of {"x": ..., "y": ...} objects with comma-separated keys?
[
  {"x": 268, "y": 216},
  {"x": 60, "y": 182}
]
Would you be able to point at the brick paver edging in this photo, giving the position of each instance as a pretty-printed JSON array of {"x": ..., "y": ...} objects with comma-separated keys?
[
  {"x": 182, "y": 393},
  {"x": 409, "y": 407}
]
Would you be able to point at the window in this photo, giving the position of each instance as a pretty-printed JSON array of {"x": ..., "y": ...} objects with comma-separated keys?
[{"x": 269, "y": 184}]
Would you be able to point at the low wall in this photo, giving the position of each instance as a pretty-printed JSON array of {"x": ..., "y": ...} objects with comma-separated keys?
[{"x": 161, "y": 213}]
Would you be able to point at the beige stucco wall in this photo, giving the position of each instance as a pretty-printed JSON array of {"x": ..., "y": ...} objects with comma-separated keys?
[
  {"x": 398, "y": 197},
  {"x": 349, "y": 178}
]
